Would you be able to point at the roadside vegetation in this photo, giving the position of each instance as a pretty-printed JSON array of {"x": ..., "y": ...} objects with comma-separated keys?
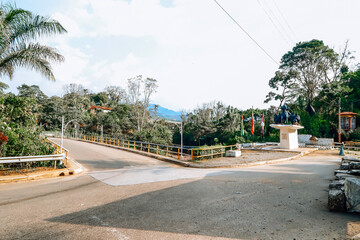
[{"x": 19, "y": 47}]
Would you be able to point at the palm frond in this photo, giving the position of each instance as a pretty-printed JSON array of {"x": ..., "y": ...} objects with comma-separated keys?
[
  {"x": 31, "y": 56},
  {"x": 18, "y": 29},
  {"x": 35, "y": 26}
]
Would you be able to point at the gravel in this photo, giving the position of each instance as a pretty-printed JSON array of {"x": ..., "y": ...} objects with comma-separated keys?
[{"x": 247, "y": 157}]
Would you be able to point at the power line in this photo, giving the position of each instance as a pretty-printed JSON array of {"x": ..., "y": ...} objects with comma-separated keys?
[
  {"x": 284, "y": 19},
  {"x": 247, "y": 33},
  {"x": 274, "y": 24},
  {"x": 277, "y": 20}
]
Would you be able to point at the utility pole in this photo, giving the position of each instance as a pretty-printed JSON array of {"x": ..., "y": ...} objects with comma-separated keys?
[
  {"x": 76, "y": 130},
  {"x": 62, "y": 134},
  {"x": 181, "y": 132},
  {"x": 339, "y": 129},
  {"x": 102, "y": 133}
]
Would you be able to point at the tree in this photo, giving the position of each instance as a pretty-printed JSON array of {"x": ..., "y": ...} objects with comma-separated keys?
[
  {"x": 116, "y": 95},
  {"x": 19, "y": 29},
  {"x": 18, "y": 124},
  {"x": 305, "y": 70},
  {"x": 76, "y": 102},
  {"x": 32, "y": 91},
  {"x": 140, "y": 91}
]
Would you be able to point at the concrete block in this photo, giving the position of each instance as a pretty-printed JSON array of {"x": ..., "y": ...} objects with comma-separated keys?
[
  {"x": 352, "y": 194},
  {"x": 336, "y": 200},
  {"x": 233, "y": 153}
]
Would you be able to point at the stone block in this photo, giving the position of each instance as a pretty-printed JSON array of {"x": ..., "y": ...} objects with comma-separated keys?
[
  {"x": 341, "y": 172},
  {"x": 338, "y": 185},
  {"x": 355, "y": 172},
  {"x": 233, "y": 153},
  {"x": 340, "y": 176},
  {"x": 354, "y": 165},
  {"x": 350, "y": 159},
  {"x": 336, "y": 200},
  {"x": 344, "y": 166},
  {"x": 352, "y": 194}
]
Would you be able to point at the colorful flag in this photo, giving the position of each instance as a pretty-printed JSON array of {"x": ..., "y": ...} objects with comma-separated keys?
[
  {"x": 252, "y": 123},
  {"x": 242, "y": 125},
  {"x": 263, "y": 125}
]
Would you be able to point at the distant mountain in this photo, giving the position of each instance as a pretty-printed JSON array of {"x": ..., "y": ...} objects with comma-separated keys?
[{"x": 166, "y": 113}]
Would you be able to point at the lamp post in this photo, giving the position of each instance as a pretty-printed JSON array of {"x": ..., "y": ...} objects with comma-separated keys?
[
  {"x": 63, "y": 128},
  {"x": 181, "y": 132},
  {"x": 181, "y": 135},
  {"x": 339, "y": 127}
]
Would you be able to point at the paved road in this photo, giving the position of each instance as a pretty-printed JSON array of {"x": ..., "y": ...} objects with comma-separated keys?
[{"x": 280, "y": 201}]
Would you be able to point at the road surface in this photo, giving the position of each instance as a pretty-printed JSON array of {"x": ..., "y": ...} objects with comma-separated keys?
[{"x": 129, "y": 196}]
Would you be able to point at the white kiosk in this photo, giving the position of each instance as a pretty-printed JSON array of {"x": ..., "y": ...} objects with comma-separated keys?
[{"x": 288, "y": 135}]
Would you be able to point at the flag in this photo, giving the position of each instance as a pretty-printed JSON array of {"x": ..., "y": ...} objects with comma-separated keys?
[
  {"x": 252, "y": 123},
  {"x": 263, "y": 125},
  {"x": 242, "y": 125}
]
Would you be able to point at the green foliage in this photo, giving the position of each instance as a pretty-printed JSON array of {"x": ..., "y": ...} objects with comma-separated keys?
[
  {"x": 160, "y": 134},
  {"x": 18, "y": 123},
  {"x": 19, "y": 30},
  {"x": 307, "y": 70}
]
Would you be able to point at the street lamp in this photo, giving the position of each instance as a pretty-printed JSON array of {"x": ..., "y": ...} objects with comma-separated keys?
[
  {"x": 63, "y": 128},
  {"x": 181, "y": 134},
  {"x": 181, "y": 141}
]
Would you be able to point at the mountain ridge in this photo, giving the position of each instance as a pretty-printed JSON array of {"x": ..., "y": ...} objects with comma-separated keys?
[{"x": 166, "y": 113}]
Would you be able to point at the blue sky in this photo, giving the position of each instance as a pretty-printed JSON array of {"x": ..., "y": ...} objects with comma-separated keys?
[{"x": 192, "y": 48}]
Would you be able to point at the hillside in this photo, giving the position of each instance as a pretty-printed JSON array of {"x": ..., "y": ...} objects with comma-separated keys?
[{"x": 166, "y": 113}]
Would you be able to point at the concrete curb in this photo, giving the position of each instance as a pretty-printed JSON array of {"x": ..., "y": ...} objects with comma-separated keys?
[
  {"x": 192, "y": 165},
  {"x": 74, "y": 168},
  {"x": 302, "y": 153},
  {"x": 152, "y": 155}
]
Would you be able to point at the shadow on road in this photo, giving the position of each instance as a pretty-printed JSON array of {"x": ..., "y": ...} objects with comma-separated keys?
[{"x": 244, "y": 204}]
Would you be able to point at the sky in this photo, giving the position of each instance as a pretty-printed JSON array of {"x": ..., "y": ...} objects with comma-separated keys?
[{"x": 191, "y": 47}]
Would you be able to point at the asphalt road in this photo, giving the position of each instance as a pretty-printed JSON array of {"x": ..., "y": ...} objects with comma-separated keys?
[{"x": 128, "y": 196}]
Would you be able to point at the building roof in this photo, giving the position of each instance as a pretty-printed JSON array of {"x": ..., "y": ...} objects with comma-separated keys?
[
  {"x": 98, "y": 107},
  {"x": 347, "y": 114}
]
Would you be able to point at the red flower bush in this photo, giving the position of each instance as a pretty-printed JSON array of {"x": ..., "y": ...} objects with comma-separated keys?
[{"x": 3, "y": 138}]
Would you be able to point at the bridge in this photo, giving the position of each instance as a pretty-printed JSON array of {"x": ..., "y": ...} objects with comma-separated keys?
[{"x": 123, "y": 195}]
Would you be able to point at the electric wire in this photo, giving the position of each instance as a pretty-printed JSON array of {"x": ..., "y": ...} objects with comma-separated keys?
[
  {"x": 277, "y": 20},
  {"x": 285, "y": 38},
  {"x": 247, "y": 33},
  {"x": 284, "y": 19}
]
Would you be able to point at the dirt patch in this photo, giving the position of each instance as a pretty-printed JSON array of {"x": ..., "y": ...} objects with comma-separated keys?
[
  {"x": 8, "y": 172},
  {"x": 247, "y": 157}
]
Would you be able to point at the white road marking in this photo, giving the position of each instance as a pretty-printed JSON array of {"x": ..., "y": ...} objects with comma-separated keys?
[
  {"x": 148, "y": 174},
  {"x": 114, "y": 231}
]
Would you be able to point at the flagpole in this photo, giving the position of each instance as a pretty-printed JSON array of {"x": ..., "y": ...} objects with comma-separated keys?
[
  {"x": 252, "y": 123},
  {"x": 263, "y": 126}
]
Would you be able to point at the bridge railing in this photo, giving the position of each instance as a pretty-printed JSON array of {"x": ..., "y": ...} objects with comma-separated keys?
[
  {"x": 211, "y": 152},
  {"x": 188, "y": 154},
  {"x": 57, "y": 147},
  {"x": 158, "y": 149},
  {"x": 57, "y": 156}
]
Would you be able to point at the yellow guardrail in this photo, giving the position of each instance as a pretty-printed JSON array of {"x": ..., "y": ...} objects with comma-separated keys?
[
  {"x": 158, "y": 149},
  {"x": 192, "y": 154},
  {"x": 58, "y": 150},
  {"x": 210, "y": 152}
]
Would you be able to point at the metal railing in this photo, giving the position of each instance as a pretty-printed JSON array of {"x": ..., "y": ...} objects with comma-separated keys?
[
  {"x": 58, "y": 151},
  {"x": 211, "y": 152},
  {"x": 158, "y": 149},
  {"x": 189, "y": 154},
  {"x": 38, "y": 158},
  {"x": 57, "y": 156}
]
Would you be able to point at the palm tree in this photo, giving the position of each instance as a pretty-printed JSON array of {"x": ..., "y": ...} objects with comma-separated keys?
[{"x": 19, "y": 30}]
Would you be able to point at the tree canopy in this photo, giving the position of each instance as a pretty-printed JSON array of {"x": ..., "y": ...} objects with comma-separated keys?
[{"x": 305, "y": 71}]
